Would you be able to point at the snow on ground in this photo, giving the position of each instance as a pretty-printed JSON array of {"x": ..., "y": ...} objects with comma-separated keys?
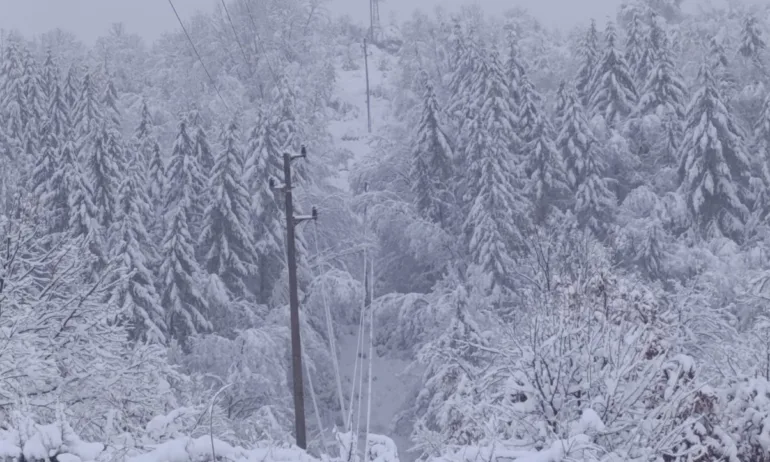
[
  {"x": 350, "y": 130},
  {"x": 390, "y": 389}
]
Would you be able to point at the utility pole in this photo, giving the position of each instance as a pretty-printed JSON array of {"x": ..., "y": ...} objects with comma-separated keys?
[
  {"x": 368, "y": 101},
  {"x": 367, "y": 265},
  {"x": 296, "y": 342},
  {"x": 374, "y": 18}
]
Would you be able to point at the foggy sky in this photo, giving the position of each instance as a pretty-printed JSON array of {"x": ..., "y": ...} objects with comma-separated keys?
[{"x": 91, "y": 18}]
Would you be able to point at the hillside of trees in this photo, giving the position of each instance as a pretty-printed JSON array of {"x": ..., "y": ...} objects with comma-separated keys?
[{"x": 569, "y": 232}]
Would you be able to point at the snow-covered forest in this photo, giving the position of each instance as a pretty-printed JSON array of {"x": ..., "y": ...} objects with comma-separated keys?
[{"x": 568, "y": 236}]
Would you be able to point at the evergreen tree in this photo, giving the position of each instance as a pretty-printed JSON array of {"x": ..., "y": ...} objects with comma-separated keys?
[
  {"x": 720, "y": 67},
  {"x": 461, "y": 106},
  {"x": 144, "y": 138},
  {"x": 70, "y": 92},
  {"x": 714, "y": 169},
  {"x": 226, "y": 238},
  {"x": 635, "y": 47},
  {"x": 593, "y": 199},
  {"x": 46, "y": 174},
  {"x": 287, "y": 131},
  {"x": 762, "y": 146},
  {"x": 613, "y": 93},
  {"x": 561, "y": 103},
  {"x": 664, "y": 89},
  {"x": 84, "y": 216},
  {"x": 134, "y": 292},
  {"x": 263, "y": 163},
  {"x": 547, "y": 186},
  {"x": 431, "y": 165},
  {"x": 496, "y": 216},
  {"x": 35, "y": 98},
  {"x": 184, "y": 304},
  {"x": 13, "y": 97},
  {"x": 514, "y": 72},
  {"x": 87, "y": 113},
  {"x": 51, "y": 77},
  {"x": 752, "y": 43},
  {"x": 453, "y": 362},
  {"x": 590, "y": 54}
]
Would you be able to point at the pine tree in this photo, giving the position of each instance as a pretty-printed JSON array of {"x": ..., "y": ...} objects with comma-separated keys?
[
  {"x": 613, "y": 93},
  {"x": 287, "y": 131},
  {"x": 635, "y": 48},
  {"x": 46, "y": 174},
  {"x": 84, "y": 215},
  {"x": 496, "y": 218},
  {"x": 144, "y": 138},
  {"x": 431, "y": 164},
  {"x": 561, "y": 103},
  {"x": 461, "y": 107},
  {"x": 13, "y": 97},
  {"x": 714, "y": 168},
  {"x": 184, "y": 304},
  {"x": 157, "y": 173},
  {"x": 547, "y": 186},
  {"x": 720, "y": 67},
  {"x": 664, "y": 88},
  {"x": 590, "y": 54},
  {"x": 514, "y": 72},
  {"x": 263, "y": 163},
  {"x": 51, "y": 77},
  {"x": 453, "y": 362},
  {"x": 593, "y": 199},
  {"x": 35, "y": 97},
  {"x": 134, "y": 292},
  {"x": 226, "y": 238},
  {"x": 762, "y": 146},
  {"x": 87, "y": 113},
  {"x": 70, "y": 91},
  {"x": 752, "y": 43}
]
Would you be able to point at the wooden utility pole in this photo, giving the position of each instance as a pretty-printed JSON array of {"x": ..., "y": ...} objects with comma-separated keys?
[
  {"x": 368, "y": 101},
  {"x": 367, "y": 258},
  {"x": 296, "y": 341},
  {"x": 374, "y": 18}
]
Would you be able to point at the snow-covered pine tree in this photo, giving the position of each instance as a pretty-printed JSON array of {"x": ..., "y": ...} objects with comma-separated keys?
[
  {"x": 514, "y": 71},
  {"x": 182, "y": 297},
  {"x": 761, "y": 145},
  {"x": 287, "y": 129},
  {"x": 497, "y": 216},
  {"x": 432, "y": 170},
  {"x": 134, "y": 291},
  {"x": 104, "y": 157},
  {"x": 264, "y": 162},
  {"x": 653, "y": 42},
  {"x": 752, "y": 43},
  {"x": 444, "y": 408},
  {"x": 85, "y": 217},
  {"x": 13, "y": 98},
  {"x": 70, "y": 91},
  {"x": 612, "y": 93},
  {"x": 720, "y": 67},
  {"x": 51, "y": 77},
  {"x": 226, "y": 239},
  {"x": 47, "y": 171},
  {"x": 561, "y": 103},
  {"x": 547, "y": 185},
  {"x": 461, "y": 107},
  {"x": 590, "y": 55},
  {"x": 635, "y": 47},
  {"x": 661, "y": 110},
  {"x": 594, "y": 200},
  {"x": 714, "y": 169},
  {"x": 36, "y": 101},
  {"x": 87, "y": 113},
  {"x": 205, "y": 159}
]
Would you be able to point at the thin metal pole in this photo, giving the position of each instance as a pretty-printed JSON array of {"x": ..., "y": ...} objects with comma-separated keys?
[
  {"x": 368, "y": 105},
  {"x": 296, "y": 343}
]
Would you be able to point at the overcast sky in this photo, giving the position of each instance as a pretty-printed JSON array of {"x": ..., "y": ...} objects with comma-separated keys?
[{"x": 149, "y": 18}]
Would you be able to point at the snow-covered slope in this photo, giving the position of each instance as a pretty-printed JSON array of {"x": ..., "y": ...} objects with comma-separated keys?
[{"x": 350, "y": 130}]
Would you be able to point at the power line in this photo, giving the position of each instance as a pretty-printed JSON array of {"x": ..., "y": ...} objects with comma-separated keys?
[
  {"x": 237, "y": 39},
  {"x": 259, "y": 42},
  {"x": 189, "y": 39}
]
